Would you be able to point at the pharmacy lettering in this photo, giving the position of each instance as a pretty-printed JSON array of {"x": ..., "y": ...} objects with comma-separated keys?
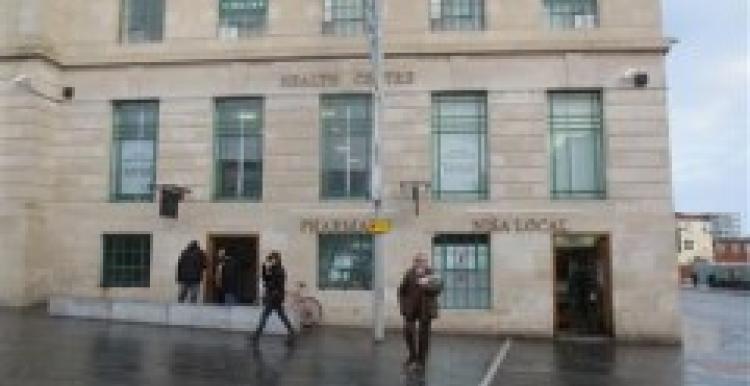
[
  {"x": 519, "y": 225},
  {"x": 316, "y": 225}
]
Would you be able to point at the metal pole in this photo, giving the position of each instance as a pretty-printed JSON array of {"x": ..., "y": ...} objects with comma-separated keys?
[{"x": 375, "y": 36}]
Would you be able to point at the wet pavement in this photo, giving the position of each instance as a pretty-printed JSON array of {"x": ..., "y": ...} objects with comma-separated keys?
[{"x": 38, "y": 350}]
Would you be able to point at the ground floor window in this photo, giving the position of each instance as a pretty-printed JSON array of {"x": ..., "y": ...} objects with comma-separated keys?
[
  {"x": 463, "y": 262},
  {"x": 345, "y": 261},
  {"x": 126, "y": 260}
]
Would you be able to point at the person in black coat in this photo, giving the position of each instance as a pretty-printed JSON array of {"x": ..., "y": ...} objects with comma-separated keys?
[
  {"x": 229, "y": 267},
  {"x": 417, "y": 298},
  {"x": 274, "y": 282},
  {"x": 190, "y": 268}
]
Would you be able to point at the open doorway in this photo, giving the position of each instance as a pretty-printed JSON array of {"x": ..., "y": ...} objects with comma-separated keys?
[
  {"x": 244, "y": 249},
  {"x": 583, "y": 291}
]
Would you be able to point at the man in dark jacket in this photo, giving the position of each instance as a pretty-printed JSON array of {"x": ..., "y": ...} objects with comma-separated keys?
[
  {"x": 417, "y": 297},
  {"x": 274, "y": 282},
  {"x": 229, "y": 267},
  {"x": 190, "y": 268}
]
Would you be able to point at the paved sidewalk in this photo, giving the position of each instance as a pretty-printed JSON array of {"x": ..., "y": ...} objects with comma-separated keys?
[{"x": 36, "y": 350}]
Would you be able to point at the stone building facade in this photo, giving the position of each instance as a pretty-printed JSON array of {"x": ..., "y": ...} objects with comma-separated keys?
[{"x": 541, "y": 127}]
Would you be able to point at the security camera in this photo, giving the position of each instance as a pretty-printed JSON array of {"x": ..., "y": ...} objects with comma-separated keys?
[{"x": 639, "y": 77}]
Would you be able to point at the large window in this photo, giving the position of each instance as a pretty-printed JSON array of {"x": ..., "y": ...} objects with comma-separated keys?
[
  {"x": 141, "y": 21},
  {"x": 126, "y": 260},
  {"x": 347, "y": 130},
  {"x": 242, "y": 18},
  {"x": 572, "y": 14},
  {"x": 463, "y": 262},
  {"x": 238, "y": 149},
  {"x": 459, "y": 131},
  {"x": 453, "y": 15},
  {"x": 577, "y": 149},
  {"x": 134, "y": 150},
  {"x": 343, "y": 17},
  {"x": 345, "y": 261}
]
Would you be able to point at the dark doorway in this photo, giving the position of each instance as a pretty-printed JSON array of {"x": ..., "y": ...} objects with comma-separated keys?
[
  {"x": 583, "y": 295},
  {"x": 245, "y": 250}
]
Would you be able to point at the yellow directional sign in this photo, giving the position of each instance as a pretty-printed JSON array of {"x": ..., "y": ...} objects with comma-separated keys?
[{"x": 379, "y": 225}]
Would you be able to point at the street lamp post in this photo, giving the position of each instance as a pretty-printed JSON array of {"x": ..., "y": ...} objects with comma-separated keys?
[{"x": 375, "y": 36}]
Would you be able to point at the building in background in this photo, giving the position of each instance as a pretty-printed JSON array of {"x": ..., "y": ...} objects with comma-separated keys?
[
  {"x": 727, "y": 224},
  {"x": 730, "y": 267},
  {"x": 534, "y": 131},
  {"x": 695, "y": 241}
]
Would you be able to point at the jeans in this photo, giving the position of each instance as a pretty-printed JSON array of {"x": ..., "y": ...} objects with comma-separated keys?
[
  {"x": 417, "y": 350},
  {"x": 267, "y": 309},
  {"x": 189, "y": 290}
]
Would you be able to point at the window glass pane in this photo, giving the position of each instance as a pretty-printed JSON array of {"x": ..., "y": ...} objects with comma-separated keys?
[
  {"x": 242, "y": 18},
  {"x": 345, "y": 261},
  {"x": 344, "y": 17},
  {"x": 459, "y": 138},
  {"x": 238, "y": 143},
  {"x": 126, "y": 260},
  {"x": 454, "y": 15},
  {"x": 576, "y": 135},
  {"x": 143, "y": 20},
  {"x": 572, "y": 14},
  {"x": 466, "y": 272},
  {"x": 346, "y": 123},
  {"x": 134, "y": 150}
]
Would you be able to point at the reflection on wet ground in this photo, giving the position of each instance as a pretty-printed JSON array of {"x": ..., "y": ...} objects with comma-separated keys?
[{"x": 38, "y": 350}]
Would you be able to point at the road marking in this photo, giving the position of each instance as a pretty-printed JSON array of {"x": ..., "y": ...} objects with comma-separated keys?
[{"x": 499, "y": 358}]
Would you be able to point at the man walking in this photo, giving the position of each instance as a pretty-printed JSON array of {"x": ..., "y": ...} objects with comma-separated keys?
[
  {"x": 417, "y": 297},
  {"x": 274, "y": 282},
  {"x": 190, "y": 268}
]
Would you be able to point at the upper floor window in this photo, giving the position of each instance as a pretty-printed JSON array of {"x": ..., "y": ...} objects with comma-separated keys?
[
  {"x": 346, "y": 121},
  {"x": 134, "y": 150},
  {"x": 454, "y": 15},
  {"x": 238, "y": 144},
  {"x": 242, "y": 18},
  {"x": 689, "y": 245},
  {"x": 142, "y": 21},
  {"x": 343, "y": 17},
  {"x": 459, "y": 137},
  {"x": 572, "y": 14},
  {"x": 577, "y": 159}
]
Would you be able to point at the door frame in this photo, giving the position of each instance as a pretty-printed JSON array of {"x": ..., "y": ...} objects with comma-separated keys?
[
  {"x": 607, "y": 292},
  {"x": 208, "y": 278}
]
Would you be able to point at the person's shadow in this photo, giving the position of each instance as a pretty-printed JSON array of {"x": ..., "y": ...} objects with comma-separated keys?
[{"x": 269, "y": 371}]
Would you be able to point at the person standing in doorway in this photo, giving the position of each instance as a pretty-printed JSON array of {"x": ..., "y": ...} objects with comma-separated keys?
[
  {"x": 230, "y": 281},
  {"x": 274, "y": 283},
  {"x": 190, "y": 268},
  {"x": 417, "y": 297}
]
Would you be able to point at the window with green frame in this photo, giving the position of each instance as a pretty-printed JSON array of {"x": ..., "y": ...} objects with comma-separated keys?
[
  {"x": 134, "y": 144},
  {"x": 345, "y": 261},
  {"x": 459, "y": 133},
  {"x": 346, "y": 120},
  {"x": 572, "y": 14},
  {"x": 141, "y": 21},
  {"x": 343, "y": 17},
  {"x": 463, "y": 262},
  {"x": 242, "y": 18},
  {"x": 126, "y": 260},
  {"x": 457, "y": 15},
  {"x": 238, "y": 149},
  {"x": 577, "y": 145}
]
